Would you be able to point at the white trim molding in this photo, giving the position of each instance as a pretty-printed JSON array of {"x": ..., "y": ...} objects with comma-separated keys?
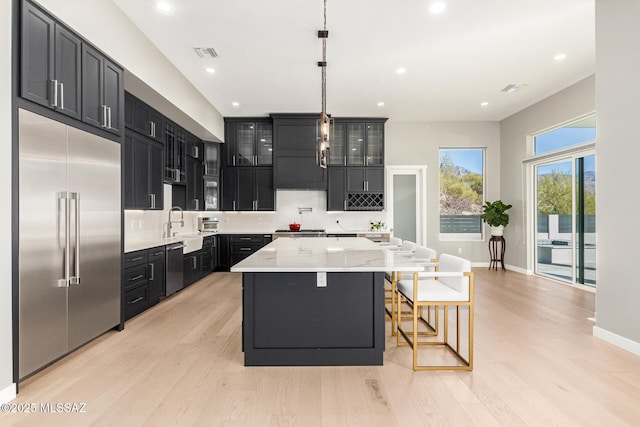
[
  {"x": 520, "y": 270},
  {"x": 617, "y": 340},
  {"x": 8, "y": 393}
]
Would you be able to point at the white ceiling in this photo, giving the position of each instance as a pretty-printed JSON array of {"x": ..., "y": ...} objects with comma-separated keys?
[{"x": 268, "y": 52}]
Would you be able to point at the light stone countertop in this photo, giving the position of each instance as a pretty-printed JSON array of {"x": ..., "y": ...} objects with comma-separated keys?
[
  {"x": 313, "y": 254},
  {"x": 137, "y": 245}
]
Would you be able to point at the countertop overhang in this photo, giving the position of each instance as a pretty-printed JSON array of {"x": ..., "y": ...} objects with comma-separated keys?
[{"x": 329, "y": 254}]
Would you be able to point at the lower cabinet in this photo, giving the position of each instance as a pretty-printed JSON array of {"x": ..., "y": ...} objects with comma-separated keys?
[
  {"x": 233, "y": 248},
  {"x": 192, "y": 267},
  {"x": 209, "y": 255},
  {"x": 156, "y": 274},
  {"x": 135, "y": 286}
]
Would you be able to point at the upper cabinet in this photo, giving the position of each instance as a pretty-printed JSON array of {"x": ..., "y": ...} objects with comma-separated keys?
[
  {"x": 357, "y": 142},
  {"x": 61, "y": 71},
  {"x": 102, "y": 91},
  {"x": 51, "y": 63},
  {"x": 295, "y": 148},
  {"x": 174, "y": 154},
  {"x": 143, "y": 119},
  {"x": 248, "y": 142},
  {"x": 142, "y": 173}
]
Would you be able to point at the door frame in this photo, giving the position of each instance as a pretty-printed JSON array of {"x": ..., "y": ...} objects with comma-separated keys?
[{"x": 420, "y": 173}]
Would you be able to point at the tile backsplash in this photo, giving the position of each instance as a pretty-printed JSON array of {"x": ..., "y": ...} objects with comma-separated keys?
[{"x": 142, "y": 225}]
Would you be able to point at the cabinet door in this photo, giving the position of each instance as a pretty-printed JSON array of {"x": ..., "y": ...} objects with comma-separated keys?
[
  {"x": 211, "y": 159},
  {"x": 157, "y": 121},
  {"x": 37, "y": 55},
  {"x": 335, "y": 188},
  {"x": 129, "y": 171},
  {"x": 113, "y": 96},
  {"x": 180, "y": 154},
  {"x": 355, "y": 143},
  {"x": 211, "y": 194},
  {"x": 156, "y": 279},
  {"x": 198, "y": 185},
  {"x": 68, "y": 54},
  {"x": 228, "y": 148},
  {"x": 141, "y": 121},
  {"x": 245, "y": 144},
  {"x": 224, "y": 262},
  {"x": 264, "y": 144},
  {"x": 228, "y": 185},
  {"x": 337, "y": 145},
  {"x": 143, "y": 199},
  {"x": 129, "y": 111},
  {"x": 93, "y": 108},
  {"x": 170, "y": 172},
  {"x": 356, "y": 179},
  {"x": 265, "y": 196},
  {"x": 245, "y": 189},
  {"x": 375, "y": 144},
  {"x": 156, "y": 188},
  {"x": 375, "y": 180},
  {"x": 194, "y": 184}
]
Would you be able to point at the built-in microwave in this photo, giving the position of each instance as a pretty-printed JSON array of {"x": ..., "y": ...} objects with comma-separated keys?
[{"x": 208, "y": 224}]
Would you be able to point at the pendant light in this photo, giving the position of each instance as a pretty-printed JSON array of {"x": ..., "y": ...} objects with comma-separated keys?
[{"x": 324, "y": 124}]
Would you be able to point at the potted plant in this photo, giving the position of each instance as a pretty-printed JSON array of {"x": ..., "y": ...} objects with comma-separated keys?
[
  {"x": 494, "y": 214},
  {"x": 377, "y": 225}
]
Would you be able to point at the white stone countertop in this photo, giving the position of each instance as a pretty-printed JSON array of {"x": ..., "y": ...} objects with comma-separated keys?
[{"x": 312, "y": 254}]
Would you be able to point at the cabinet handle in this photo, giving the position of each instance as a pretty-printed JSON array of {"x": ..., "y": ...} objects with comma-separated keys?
[
  {"x": 245, "y": 249},
  {"x": 62, "y": 96},
  {"x": 54, "y": 93},
  {"x": 196, "y": 152},
  {"x": 104, "y": 116},
  {"x": 109, "y": 111},
  {"x": 345, "y": 204},
  {"x": 234, "y": 160},
  {"x": 234, "y": 205},
  {"x": 136, "y": 300},
  {"x": 364, "y": 185},
  {"x": 197, "y": 204},
  {"x": 245, "y": 238},
  {"x": 195, "y": 264},
  {"x": 135, "y": 259},
  {"x": 151, "y": 201},
  {"x": 345, "y": 160},
  {"x": 177, "y": 172},
  {"x": 152, "y": 271},
  {"x": 140, "y": 276}
]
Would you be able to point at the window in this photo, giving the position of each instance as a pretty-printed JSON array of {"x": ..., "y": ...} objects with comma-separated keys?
[
  {"x": 461, "y": 193},
  {"x": 578, "y": 132}
]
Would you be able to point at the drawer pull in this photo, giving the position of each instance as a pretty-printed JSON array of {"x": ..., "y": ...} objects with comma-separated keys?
[
  {"x": 135, "y": 259},
  {"x": 157, "y": 254},
  {"x": 137, "y": 277},
  {"x": 136, "y": 300},
  {"x": 246, "y": 249},
  {"x": 245, "y": 238}
]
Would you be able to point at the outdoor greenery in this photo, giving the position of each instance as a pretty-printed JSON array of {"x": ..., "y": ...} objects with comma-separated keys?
[
  {"x": 554, "y": 195},
  {"x": 460, "y": 191},
  {"x": 494, "y": 213}
]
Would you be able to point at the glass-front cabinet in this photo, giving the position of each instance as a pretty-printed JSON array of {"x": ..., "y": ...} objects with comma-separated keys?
[
  {"x": 174, "y": 154},
  {"x": 211, "y": 177},
  {"x": 375, "y": 145},
  {"x": 212, "y": 159},
  {"x": 355, "y": 144},
  {"x": 264, "y": 144},
  {"x": 211, "y": 194},
  {"x": 253, "y": 144},
  {"x": 337, "y": 156}
]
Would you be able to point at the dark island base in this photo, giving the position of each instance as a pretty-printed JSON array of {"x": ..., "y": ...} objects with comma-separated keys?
[{"x": 289, "y": 320}]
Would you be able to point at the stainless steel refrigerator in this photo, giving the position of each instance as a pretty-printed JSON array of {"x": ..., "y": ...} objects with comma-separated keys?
[{"x": 70, "y": 239}]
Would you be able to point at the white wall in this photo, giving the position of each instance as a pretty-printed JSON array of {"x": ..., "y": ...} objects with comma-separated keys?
[
  {"x": 418, "y": 143},
  {"x": 572, "y": 102},
  {"x": 618, "y": 153},
  {"x": 7, "y": 388},
  {"x": 104, "y": 25}
]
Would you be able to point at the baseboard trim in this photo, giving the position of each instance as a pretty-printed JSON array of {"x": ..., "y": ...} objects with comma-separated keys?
[
  {"x": 480, "y": 264},
  {"x": 519, "y": 270},
  {"x": 8, "y": 393},
  {"x": 617, "y": 340}
]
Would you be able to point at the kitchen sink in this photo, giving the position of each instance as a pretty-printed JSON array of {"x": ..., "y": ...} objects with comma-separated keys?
[{"x": 192, "y": 243}]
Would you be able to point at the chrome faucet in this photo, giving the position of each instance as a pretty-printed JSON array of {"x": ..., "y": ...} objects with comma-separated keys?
[{"x": 169, "y": 222}]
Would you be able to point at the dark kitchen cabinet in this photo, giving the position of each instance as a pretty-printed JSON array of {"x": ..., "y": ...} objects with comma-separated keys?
[
  {"x": 294, "y": 153},
  {"x": 211, "y": 181},
  {"x": 248, "y": 142},
  {"x": 248, "y": 189},
  {"x": 156, "y": 274},
  {"x": 174, "y": 154},
  {"x": 224, "y": 255},
  {"x": 51, "y": 63},
  {"x": 336, "y": 184},
  {"x": 143, "y": 173},
  {"x": 143, "y": 119},
  {"x": 233, "y": 248},
  {"x": 102, "y": 91},
  {"x": 364, "y": 179},
  {"x": 192, "y": 267},
  {"x": 338, "y": 146},
  {"x": 365, "y": 144},
  {"x": 211, "y": 160},
  {"x": 194, "y": 185},
  {"x": 209, "y": 255}
]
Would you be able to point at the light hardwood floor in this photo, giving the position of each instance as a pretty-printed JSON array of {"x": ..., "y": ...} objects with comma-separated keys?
[{"x": 180, "y": 363}]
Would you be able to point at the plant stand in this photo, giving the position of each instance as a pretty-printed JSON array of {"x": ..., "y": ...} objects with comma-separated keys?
[{"x": 497, "y": 246}]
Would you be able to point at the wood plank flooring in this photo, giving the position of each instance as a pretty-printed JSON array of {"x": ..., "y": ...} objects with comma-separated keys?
[{"x": 180, "y": 363}]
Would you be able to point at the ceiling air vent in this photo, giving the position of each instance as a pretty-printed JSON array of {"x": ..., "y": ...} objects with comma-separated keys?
[
  {"x": 514, "y": 87},
  {"x": 206, "y": 52}
]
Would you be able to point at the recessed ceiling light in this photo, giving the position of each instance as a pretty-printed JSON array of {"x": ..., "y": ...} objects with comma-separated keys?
[
  {"x": 164, "y": 7},
  {"x": 560, "y": 56},
  {"x": 211, "y": 70},
  {"x": 235, "y": 104},
  {"x": 400, "y": 70},
  {"x": 484, "y": 104},
  {"x": 380, "y": 104},
  {"x": 437, "y": 7}
]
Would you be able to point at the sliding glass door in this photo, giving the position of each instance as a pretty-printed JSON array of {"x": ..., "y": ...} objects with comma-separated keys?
[{"x": 565, "y": 219}]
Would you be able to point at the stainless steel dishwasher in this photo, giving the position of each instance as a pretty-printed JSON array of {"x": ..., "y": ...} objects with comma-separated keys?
[{"x": 174, "y": 275}]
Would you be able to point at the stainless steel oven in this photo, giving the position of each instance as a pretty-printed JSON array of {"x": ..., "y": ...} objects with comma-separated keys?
[{"x": 208, "y": 224}]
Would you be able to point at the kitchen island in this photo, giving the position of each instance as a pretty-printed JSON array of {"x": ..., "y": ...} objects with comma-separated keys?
[{"x": 316, "y": 301}]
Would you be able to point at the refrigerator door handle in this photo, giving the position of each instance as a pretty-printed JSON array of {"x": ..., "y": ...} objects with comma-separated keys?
[
  {"x": 64, "y": 196},
  {"x": 75, "y": 280}
]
